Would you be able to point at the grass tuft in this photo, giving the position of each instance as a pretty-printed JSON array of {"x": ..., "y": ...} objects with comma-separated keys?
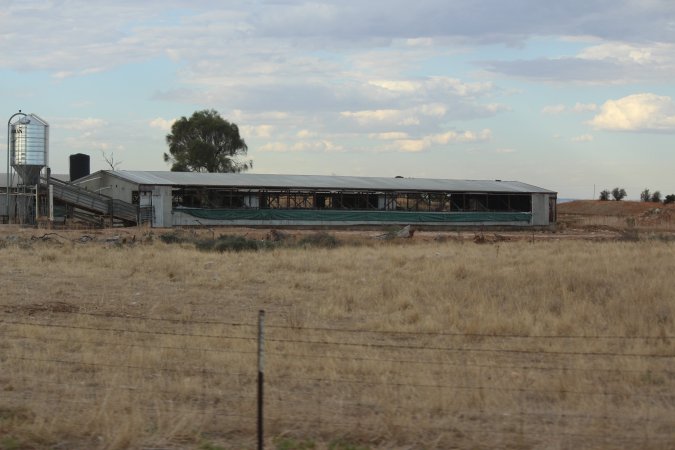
[
  {"x": 287, "y": 443},
  {"x": 320, "y": 240}
]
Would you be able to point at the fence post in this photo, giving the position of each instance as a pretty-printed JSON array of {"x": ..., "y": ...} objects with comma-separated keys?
[{"x": 261, "y": 375}]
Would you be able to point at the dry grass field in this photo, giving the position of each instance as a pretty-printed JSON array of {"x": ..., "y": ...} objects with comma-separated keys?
[
  {"x": 647, "y": 216},
  {"x": 415, "y": 344}
]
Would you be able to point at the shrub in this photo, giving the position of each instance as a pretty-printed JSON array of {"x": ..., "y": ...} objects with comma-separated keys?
[
  {"x": 231, "y": 244},
  {"x": 321, "y": 239},
  {"x": 205, "y": 245},
  {"x": 604, "y": 195},
  {"x": 234, "y": 244},
  {"x": 173, "y": 238},
  {"x": 670, "y": 198}
]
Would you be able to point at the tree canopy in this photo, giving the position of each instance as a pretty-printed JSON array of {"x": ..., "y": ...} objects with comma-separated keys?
[
  {"x": 206, "y": 143},
  {"x": 618, "y": 193},
  {"x": 645, "y": 196}
]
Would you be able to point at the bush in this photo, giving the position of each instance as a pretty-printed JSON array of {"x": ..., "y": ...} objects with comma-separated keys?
[
  {"x": 173, "y": 238},
  {"x": 604, "y": 195},
  {"x": 232, "y": 244},
  {"x": 670, "y": 198},
  {"x": 205, "y": 245},
  {"x": 321, "y": 239}
]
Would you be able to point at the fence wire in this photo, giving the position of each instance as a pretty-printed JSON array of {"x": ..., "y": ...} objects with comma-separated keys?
[{"x": 365, "y": 384}]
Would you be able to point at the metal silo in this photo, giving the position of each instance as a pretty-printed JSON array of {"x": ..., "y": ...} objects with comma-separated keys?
[
  {"x": 27, "y": 155},
  {"x": 28, "y": 148}
]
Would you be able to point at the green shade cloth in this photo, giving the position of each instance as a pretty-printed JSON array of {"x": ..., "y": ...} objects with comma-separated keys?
[{"x": 355, "y": 216}]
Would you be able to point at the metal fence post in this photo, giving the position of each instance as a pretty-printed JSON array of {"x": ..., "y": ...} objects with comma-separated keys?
[{"x": 261, "y": 375}]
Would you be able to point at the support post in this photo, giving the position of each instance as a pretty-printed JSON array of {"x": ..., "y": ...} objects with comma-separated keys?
[
  {"x": 51, "y": 203},
  {"x": 261, "y": 375},
  {"x": 37, "y": 203}
]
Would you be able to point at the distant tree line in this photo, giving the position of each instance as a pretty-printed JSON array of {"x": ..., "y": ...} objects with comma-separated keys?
[{"x": 619, "y": 194}]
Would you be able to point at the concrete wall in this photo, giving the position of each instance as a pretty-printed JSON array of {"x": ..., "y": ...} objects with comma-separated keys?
[
  {"x": 540, "y": 209},
  {"x": 109, "y": 185}
]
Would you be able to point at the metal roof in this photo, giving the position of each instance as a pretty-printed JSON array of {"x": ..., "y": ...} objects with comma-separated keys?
[{"x": 313, "y": 182}]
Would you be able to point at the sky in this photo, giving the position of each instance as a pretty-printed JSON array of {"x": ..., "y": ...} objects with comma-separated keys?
[{"x": 575, "y": 96}]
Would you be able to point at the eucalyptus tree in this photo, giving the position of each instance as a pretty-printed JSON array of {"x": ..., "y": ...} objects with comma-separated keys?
[{"x": 206, "y": 142}]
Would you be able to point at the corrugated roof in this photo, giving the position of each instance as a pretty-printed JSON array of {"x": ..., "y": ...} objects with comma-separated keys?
[{"x": 270, "y": 181}]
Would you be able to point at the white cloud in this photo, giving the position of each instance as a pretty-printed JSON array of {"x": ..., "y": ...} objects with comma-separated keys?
[
  {"x": 398, "y": 86},
  {"x": 494, "y": 108},
  {"x": 321, "y": 145},
  {"x": 420, "y": 42},
  {"x": 584, "y": 107},
  {"x": 583, "y": 138},
  {"x": 638, "y": 112},
  {"x": 433, "y": 110},
  {"x": 161, "y": 123},
  {"x": 654, "y": 54},
  {"x": 304, "y": 134},
  {"x": 392, "y": 135},
  {"x": 412, "y": 145},
  {"x": 369, "y": 117},
  {"x": 450, "y": 137},
  {"x": 458, "y": 87},
  {"x": 258, "y": 131},
  {"x": 553, "y": 109},
  {"x": 426, "y": 114},
  {"x": 466, "y": 136},
  {"x": 577, "y": 108},
  {"x": 274, "y": 147}
]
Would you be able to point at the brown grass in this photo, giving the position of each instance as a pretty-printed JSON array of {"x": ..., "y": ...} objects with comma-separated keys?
[{"x": 381, "y": 345}]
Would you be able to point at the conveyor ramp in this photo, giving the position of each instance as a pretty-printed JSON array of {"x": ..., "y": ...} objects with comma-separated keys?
[{"x": 93, "y": 202}]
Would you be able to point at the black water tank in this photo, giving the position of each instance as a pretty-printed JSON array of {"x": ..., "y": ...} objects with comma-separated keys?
[{"x": 79, "y": 166}]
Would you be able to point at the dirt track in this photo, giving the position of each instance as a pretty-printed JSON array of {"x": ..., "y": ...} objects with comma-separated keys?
[{"x": 142, "y": 234}]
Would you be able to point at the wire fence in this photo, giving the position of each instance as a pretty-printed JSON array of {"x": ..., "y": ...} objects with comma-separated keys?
[{"x": 428, "y": 389}]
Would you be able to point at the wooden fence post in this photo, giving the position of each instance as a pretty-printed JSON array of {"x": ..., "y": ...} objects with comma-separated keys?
[{"x": 261, "y": 375}]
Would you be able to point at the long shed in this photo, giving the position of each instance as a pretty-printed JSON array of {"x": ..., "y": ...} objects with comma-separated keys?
[{"x": 168, "y": 199}]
